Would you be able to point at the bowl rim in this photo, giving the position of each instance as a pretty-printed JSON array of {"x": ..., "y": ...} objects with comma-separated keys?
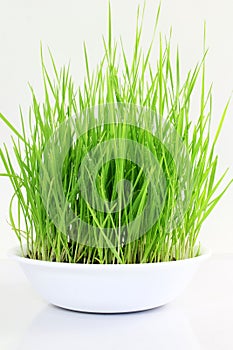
[{"x": 15, "y": 254}]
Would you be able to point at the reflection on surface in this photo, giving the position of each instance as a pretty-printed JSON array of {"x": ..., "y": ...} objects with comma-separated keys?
[{"x": 161, "y": 328}]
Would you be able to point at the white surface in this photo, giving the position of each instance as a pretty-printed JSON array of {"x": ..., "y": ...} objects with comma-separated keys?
[
  {"x": 64, "y": 25},
  {"x": 201, "y": 318},
  {"x": 110, "y": 288}
]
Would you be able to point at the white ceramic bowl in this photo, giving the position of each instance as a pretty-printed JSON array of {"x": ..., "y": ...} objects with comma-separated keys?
[{"x": 110, "y": 288}]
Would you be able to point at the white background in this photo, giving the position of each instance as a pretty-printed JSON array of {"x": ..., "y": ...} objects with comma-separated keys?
[{"x": 64, "y": 25}]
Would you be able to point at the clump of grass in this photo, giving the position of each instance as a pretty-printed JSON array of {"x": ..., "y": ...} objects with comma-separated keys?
[{"x": 154, "y": 86}]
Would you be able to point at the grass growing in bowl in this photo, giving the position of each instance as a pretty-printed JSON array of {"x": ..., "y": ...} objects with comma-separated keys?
[{"x": 156, "y": 87}]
